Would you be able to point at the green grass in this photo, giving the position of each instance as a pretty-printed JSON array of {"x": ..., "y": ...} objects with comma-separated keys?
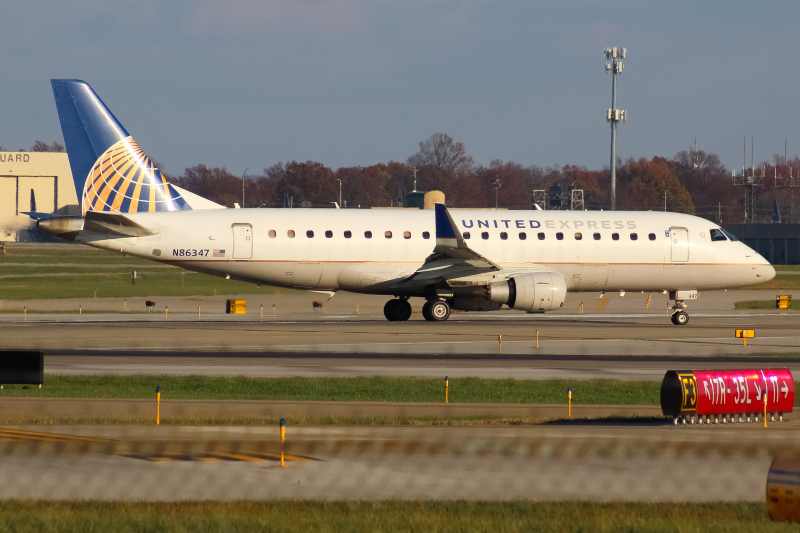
[
  {"x": 391, "y": 516},
  {"x": 74, "y": 271},
  {"x": 757, "y": 304},
  {"x": 360, "y": 389}
]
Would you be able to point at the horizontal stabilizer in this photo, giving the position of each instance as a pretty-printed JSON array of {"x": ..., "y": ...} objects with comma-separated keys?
[{"x": 114, "y": 224}]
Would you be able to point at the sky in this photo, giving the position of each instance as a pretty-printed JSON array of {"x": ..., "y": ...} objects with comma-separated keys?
[{"x": 245, "y": 84}]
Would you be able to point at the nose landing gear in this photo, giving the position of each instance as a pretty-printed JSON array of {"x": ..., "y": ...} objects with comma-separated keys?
[{"x": 679, "y": 316}]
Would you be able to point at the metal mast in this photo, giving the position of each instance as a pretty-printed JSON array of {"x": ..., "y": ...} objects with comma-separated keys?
[{"x": 614, "y": 57}]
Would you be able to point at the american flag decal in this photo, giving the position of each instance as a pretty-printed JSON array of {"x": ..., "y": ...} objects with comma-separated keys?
[{"x": 219, "y": 253}]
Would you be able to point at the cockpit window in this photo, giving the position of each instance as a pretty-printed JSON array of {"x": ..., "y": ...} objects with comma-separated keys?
[
  {"x": 718, "y": 235},
  {"x": 730, "y": 235}
]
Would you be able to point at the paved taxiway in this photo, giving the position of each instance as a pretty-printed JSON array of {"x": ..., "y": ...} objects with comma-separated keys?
[{"x": 621, "y": 340}]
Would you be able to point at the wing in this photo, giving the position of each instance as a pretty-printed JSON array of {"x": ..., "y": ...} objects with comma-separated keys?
[{"x": 451, "y": 258}]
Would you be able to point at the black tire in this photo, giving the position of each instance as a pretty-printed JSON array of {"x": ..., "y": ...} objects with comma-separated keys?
[
  {"x": 389, "y": 310},
  {"x": 439, "y": 311},
  {"x": 397, "y": 310},
  {"x": 681, "y": 318},
  {"x": 426, "y": 311}
]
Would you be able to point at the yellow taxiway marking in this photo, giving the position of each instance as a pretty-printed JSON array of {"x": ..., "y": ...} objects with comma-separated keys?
[
  {"x": 216, "y": 457},
  {"x": 14, "y": 435}
]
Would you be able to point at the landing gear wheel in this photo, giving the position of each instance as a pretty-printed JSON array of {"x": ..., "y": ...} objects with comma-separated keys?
[
  {"x": 397, "y": 310},
  {"x": 436, "y": 310},
  {"x": 680, "y": 318}
]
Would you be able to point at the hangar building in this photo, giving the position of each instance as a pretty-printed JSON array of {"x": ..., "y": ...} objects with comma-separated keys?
[{"x": 33, "y": 181}]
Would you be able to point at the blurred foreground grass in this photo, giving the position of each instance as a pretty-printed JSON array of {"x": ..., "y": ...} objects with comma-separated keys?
[{"x": 384, "y": 516}]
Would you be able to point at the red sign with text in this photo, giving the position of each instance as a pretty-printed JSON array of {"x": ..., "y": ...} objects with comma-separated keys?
[{"x": 743, "y": 391}]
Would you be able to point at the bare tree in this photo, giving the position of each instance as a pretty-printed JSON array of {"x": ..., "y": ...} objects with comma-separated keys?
[
  {"x": 40, "y": 146},
  {"x": 440, "y": 151}
]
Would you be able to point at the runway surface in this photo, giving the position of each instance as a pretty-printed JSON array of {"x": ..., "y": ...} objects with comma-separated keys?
[{"x": 630, "y": 344}]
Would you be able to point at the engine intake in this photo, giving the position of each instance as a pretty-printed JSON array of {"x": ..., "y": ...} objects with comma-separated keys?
[{"x": 536, "y": 292}]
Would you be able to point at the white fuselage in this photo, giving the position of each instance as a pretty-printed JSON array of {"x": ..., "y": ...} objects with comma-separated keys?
[{"x": 593, "y": 250}]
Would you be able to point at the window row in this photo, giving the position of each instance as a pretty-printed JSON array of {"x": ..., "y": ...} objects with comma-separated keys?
[
  {"x": 347, "y": 234},
  {"x": 559, "y": 236}
]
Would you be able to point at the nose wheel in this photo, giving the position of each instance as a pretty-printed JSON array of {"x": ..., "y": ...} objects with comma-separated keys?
[{"x": 680, "y": 318}]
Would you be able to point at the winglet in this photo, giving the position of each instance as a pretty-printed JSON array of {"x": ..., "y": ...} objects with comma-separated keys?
[{"x": 447, "y": 233}]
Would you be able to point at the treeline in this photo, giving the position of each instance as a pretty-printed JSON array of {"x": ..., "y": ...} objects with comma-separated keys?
[{"x": 692, "y": 182}]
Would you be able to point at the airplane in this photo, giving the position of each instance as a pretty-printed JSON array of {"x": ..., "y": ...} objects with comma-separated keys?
[{"x": 468, "y": 260}]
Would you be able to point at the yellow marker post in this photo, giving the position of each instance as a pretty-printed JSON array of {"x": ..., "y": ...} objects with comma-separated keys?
[
  {"x": 537, "y": 338},
  {"x": 24, "y": 313},
  {"x": 499, "y": 343},
  {"x": 745, "y": 334},
  {"x": 158, "y": 405},
  {"x": 649, "y": 298},
  {"x": 273, "y": 310},
  {"x": 198, "y": 312},
  {"x": 283, "y": 438},
  {"x": 80, "y": 309},
  {"x": 569, "y": 402},
  {"x": 166, "y": 312},
  {"x": 262, "y": 310},
  {"x": 446, "y": 388},
  {"x": 765, "y": 407}
]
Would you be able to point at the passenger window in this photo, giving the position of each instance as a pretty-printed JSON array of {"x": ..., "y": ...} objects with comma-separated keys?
[
  {"x": 310, "y": 234},
  {"x": 541, "y": 236},
  {"x": 466, "y": 235},
  {"x": 426, "y": 235},
  {"x": 634, "y": 236},
  {"x": 522, "y": 236},
  {"x": 615, "y": 236},
  {"x": 578, "y": 236},
  {"x": 388, "y": 234},
  {"x": 290, "y": 234},
  {"x": 485, "y": 235},
  {"x": 596, "y": 236},
  {"x": 652, "y": 236},
  {"x": 272, "y": 234},
  {"x": 504, "y": 235},
  {"x": 560, "y": 236},
  {"x": 328, "y": 233},
  {"x": 368, "y": 234},
  {"x": 347, "y": 234},
  {"x": 406, "y": 234}
]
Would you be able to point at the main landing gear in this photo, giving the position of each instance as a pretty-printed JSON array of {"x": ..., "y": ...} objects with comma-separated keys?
[
  {"x": 436, "y": 310},
  {"x": 399, "y": 310}
]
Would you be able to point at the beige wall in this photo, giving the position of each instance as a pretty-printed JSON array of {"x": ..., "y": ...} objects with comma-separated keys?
[{"x": 48, "y": 175}]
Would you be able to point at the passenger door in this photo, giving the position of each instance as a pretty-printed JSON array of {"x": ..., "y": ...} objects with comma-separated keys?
[
  {"x": 680, "y": 244},
  {"x": 242, "y": 241}
]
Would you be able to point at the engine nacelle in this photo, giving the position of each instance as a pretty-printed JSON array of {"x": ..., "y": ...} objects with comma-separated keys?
[{"x": 536, "y": 292}]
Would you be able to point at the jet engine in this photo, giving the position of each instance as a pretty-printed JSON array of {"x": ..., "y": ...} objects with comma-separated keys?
[{"x": 536, "y": 292}]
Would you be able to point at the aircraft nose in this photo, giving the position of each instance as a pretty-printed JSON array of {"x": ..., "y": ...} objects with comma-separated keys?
[{"x": 766, "y": 272}]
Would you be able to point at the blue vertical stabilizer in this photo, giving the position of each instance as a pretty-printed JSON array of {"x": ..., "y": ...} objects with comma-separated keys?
[{"x": 110, "y": 171}]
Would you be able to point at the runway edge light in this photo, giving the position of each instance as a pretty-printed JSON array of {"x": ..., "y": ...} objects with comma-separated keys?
[
  {"x": 158, "y": 405},
  {"x": 283, "y": 438}
]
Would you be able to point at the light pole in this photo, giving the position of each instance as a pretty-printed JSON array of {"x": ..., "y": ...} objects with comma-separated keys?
[
  {"x": 614, "y": 57},
  {"x": 340, "y": 191},
  {"x": 496, "y": 184}
]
